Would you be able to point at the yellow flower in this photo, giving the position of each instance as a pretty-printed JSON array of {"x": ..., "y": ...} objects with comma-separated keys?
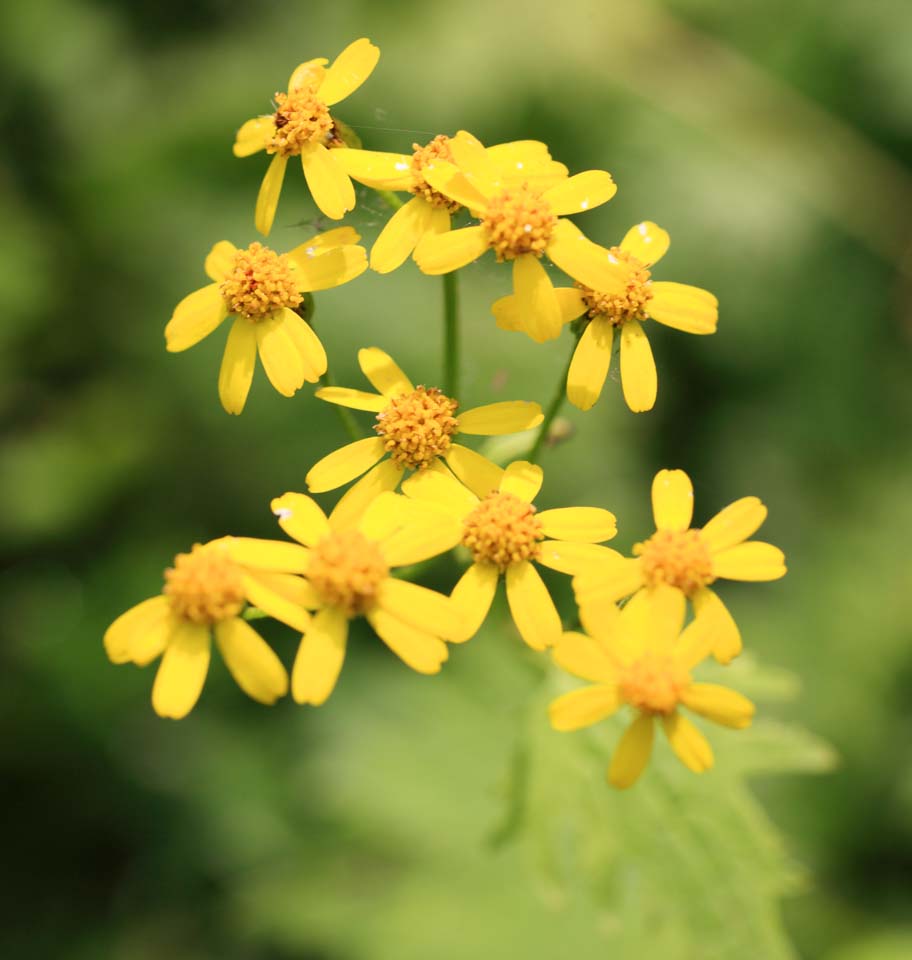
[
  {"x": 417, "y": 427},
  {"x": 260, "y": 289},
  {"x": 505, "y": 534},
  {"x": 520, "y": 222},
  {"x": 204, "y": 593},
  {"x": 429, "y": 211},
  {"x": 640, "y": 657},
  {"x": 303, "y": 126},
  {"x": 686, "y": 559},
  {"x": 348, "y": 575},
  {"x": 674, "y": 304}
]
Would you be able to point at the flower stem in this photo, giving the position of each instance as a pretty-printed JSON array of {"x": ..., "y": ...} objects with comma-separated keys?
[
  {"x": 451, "y": 334},
  {"x": 560, "y": 395}
]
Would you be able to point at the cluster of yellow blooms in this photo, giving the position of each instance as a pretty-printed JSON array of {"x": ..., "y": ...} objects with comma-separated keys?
[{"x": 637, "y": 653}]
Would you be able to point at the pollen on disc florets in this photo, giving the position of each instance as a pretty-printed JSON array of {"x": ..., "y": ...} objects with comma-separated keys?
[
  {"x": 654, "y": 683},
  {"x": 437, "y": 149},
  {"x": 619, "y": 308},
  {"x": 260, "y": 282},
  {"x": 346, "y": 569},
  {"x": 417, "y": 427},
  {"x": 204, "y": 585},
  {"x": 518, "y": 220},
  {"x": 502, "y": 530},
  {"x": 301, "y": 118},
  {"x": 679, "y": 558}
]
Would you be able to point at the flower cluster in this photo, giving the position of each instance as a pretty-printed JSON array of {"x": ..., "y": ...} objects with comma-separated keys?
[{"x": 414, "y": 490}]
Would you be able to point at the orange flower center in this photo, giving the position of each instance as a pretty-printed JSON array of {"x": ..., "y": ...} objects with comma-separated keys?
[
  {"x": 204, "y": 585},
  {"x": 653, "y": 683},
  {"x": 629, "y": 305},
  {"x": 346, "y": 569},
  {"x": 300, "y": 118},
  {"x": 260, "y": 282},
  {"x": 418, "y": 426},
  {"x": 437, "y": 149},
  {"x": 502, "y": 530},
  {"x": 679, "y": 558},
  {"x": 518, "y": 221}
]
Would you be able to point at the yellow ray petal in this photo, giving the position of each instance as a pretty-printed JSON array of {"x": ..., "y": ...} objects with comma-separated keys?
[
  {"x": 253, "y": 136},
  {"x": 581, "y": 192},
  {"x": 308, "y": 74},
  {"x": 424, "y": 609},
  {"x": 585, "y": 658},
  {"x": 344, "y": 464},
  {"x": 253, "y": 664},
  {"x": 584, "y": 260},
  {"x": 536, "y": 299},
  {"x": 719, "y": 704},
  {"x": 328, "y": 240},
  {"x": 383, "y": 373},
  {"x": 696, "y": 642},
  {"x": 582, "y": 708},
  {"x": 194, "y": 318},
  {"x": 180, "y": 678},
  {"x": 420, "y": 650},
  {"x": 446, "y": 178},
  {"x": 442, "y": 489},
  {"x": 580, "y": 524},
  {"x": 320, "y": 657},
  {"x": 478, "y": 473},
  {"x": 268, "y": 197},
  {"x": 318, "y": 269},
  {"x": 238, "y": 362},
  {"x": 599, "y": 616},
  {"x": 617, "y": 577},
  {"x": 387, "y": 513},
  {"x": 329, "y": 184},
  {"x": 638, "y": 370},
  {"x": 734, "y": 524},
  {"x": 474, "y": 163},
  {"x": 348, "y": 71},
  {"x": 428, "y": 531},
  {"x": 667, "y": 608},
  {"x": 290, "y": 586},
  {"x": 494, "y": 419},
  {"x": 647, "y": 241},
  {"x": 274, "y": 555},
  {"x": 307, "y": 344},
  {"x": 683, "y": 307},
  {"x": 381, "y": 171},
  {"x": 672, "y": 500},
  {"x": 632, "y": 753},
  {"x": 753, "y": 561},
  {"x": 140, "y": 635},
  {"x": 591, "y": 362},
  {"x": 691, "y": 747},
  {"x": 509, "y": 316},
  {"x": 572, "y": 558},
  {"x": 354, "y": 399},
  {"x": 531, "y": 605},
  {"x": 274, "y": 604},
  {"x": 279, "y": 355},
  {"x": 220, "y": 260},
  {"x": 727, "y": 644},
  {"x": 446, "y": 252},
  {"x": 401, "y": 234},
  {"x": 522, "y": 479},
  {"x": 473, "y": 596},
  {"x": 349, "y": 511}
]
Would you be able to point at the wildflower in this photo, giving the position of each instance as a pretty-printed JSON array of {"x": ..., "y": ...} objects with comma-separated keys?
[
  {"x": 205, "y": 593},
  {"x": 261, "y": 290},
  {"x": 348, "y": 575},
  {"x": 417, "y": 427},
  {"x": 642, "y": 659},
  {"x": 520, "y": 222},
  {"x": 689, "y": 560},
  {"x": 674, "y": 304},
  {"x": 303, "y": 126},
  {"x": 429, "y": 211},
  {"x": 506, "y": 535}
]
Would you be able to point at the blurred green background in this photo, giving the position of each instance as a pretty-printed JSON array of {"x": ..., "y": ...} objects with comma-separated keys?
[{"x": 412, "y": 816}]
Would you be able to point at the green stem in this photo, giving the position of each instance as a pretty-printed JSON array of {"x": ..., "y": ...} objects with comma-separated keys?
[
  {"x": 391, "y": 199},
  {"x": 557, "y": 402},
  {"x": 451, "y": 334}
]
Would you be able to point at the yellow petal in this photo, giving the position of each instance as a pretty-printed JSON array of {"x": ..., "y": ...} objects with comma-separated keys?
[
  {"x": 672, "y": 500},
  {"x": 428, "y": 530},
  {"x": 753, "y": 561},
  {"x": 320, "y": 657},
  {"x": 599, "y": 616},
  {"x": 572, "y": 558},
  {"x": 194, "y": 318},
  {"x": 688, "y": 743},
  {"x": 696, "y": 642},
  {"x": 306, "y": 343},
  {"x": 348, "y": 71},
  {"x": 273, "y": 555},
  {"x": 584, "y": 260},
  {"x": 383, "y": 372},
  {"x": 508, "y": 315},
  {"x": 719, "y": 704},
  {"x": 632, "y": 753},
  {"x": 531, "y": 605},
  {"x": 183, "y": 670},
  {"x": 585, "y": 658},
  {"x": 475, "y": 471},
  {"x": 473, "y": 596},
  {"x": 447, "y": 179},
  {"x": 268, "y": 197},
  {"x": 308, "y": 74},
  {"x": 401, "y": 234},
  {"x": 474, "y": 163},
  {"x": 274, "y": 604},
  {"x": 328, "y": 240},
  {"x": 727, "y": 644},
  {"x": 638, "y": 370},
  {"x": 350, "y": 509},
  {"x": 344, "y": 464},
  {"x": 494, "y": 419},
  {"x": 280, "y": 357},
  {"x": 253, "y": 136},
  {"x": 683, "y": 307},
  {"x": 220, "y": 260},
  {"x": 580, "y": 524},
  {"x": 329, "y": 184},
  {"x": 517, "y": 155},
  {"x": 536, "y": 299},
  {"x": 667, "y": 607},
  {"x": 253, "y": 664},
  {"x": 381, "y": 171},
  {"x": 647, "y": 241},
  {"x": 238, "y": 361},
  {"x": 387, "y": 513},
  {"x": 522, "y": 479},
  {"x": 424, "y": 609},
  {"x": 140, "y": 635},
  {"x": 418, "y": 649},
  {"x": 292, "y": 587},
  {"x": 581, "y": 192},
  {"x": 446, "y": 252},
  {"x": 318, "y": 269},
  {"x": 355, "y": 399},
  {"x": 617, "y": 577},
  {"x": 734, "y": 524},
  {"x": 589, "y": 367},
  {"x": 582, "y": 708},
  {"x": 441, "y": 488}
]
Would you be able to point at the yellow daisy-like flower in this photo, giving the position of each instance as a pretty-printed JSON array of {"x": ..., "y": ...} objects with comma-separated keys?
[
  {"x": 506, "y": 535},
  {"x": 429, "y": 211},
  {"x": 204, "y": 594},
  {"x": 689, "y": 560},
  {"x": 348, "y": 574},
  {"x": 674, "y": 304},
  {"x": 641, "y": 658},
  {"x": 416, "y": 427},
  {"x": 261, "y": 289},
  {"x": 520, "y": 222},
  {"x": 303, "y": 126}
]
